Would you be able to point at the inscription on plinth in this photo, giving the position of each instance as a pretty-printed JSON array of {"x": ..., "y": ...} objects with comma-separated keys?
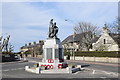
[
  {"x": 52, "y": 50},
  {"x": 49, "y": 53}
]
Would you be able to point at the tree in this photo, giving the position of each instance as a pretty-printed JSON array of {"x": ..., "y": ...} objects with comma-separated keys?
[
  {"x": 1, "y": 43},
  {"x": 115, "y": 26},
  {"x": 5, "y": 45},
  {"x": 89, "y": 31},
  {"x": 37, "y": 49},
  {"x": 10, "y": 48}
]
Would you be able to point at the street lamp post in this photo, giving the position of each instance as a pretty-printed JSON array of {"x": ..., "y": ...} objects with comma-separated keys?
[
  {"x": 73, "y": 45},
  {"x": 73, "y": 53}
]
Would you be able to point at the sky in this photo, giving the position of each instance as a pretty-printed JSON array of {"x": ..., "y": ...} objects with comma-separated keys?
[{"x": 28, "y": 21}]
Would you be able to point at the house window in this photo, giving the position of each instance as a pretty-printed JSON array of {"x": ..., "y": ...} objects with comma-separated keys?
[{"x": 104, "y": 41}]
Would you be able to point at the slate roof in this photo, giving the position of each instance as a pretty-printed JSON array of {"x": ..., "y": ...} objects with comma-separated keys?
[
  {"x": 69, "y": 39},
  {"x": 116, "y": 37},
  {"x": 95, "y": 39},
  {"x": 30, "y": 46},
  {"x": 77, "y": 38}
]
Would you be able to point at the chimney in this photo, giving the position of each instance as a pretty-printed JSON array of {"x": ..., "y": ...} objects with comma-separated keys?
[
  {"x": 29, "y": 44},
  {"x": 25, "y": 44},
  {"x": 34, "y": 42},
  {"x": 105, "y": 29},
  {"x": 41, "y": 41}
]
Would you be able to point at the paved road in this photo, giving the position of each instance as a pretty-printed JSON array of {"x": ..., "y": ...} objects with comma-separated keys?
[
  {"x": 16, "y": 70},
  {"x": 111, "y": 67}
]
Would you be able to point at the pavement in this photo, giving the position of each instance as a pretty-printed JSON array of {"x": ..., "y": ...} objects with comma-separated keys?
[{"x": 91, "y": 70}]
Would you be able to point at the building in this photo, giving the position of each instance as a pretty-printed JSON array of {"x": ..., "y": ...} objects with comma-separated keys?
[
  {"x": 74, "y": 42},
  {"x": 107, "y": 41},
  {"x": 69, "y": 43},
  {"x": 33, "y": 49}
]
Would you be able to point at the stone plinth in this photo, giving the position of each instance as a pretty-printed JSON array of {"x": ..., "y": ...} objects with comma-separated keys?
[
  {"x": 53, "y": 55},
  {"x": 52, "y": 49},
  {"x": 67, "y": 70}
]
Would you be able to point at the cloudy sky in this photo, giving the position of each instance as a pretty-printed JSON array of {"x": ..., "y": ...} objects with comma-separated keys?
[{"x": 28, "y": 21}]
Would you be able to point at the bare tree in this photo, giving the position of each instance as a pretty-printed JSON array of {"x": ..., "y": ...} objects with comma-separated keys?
[
  {"x": 89, "y": 33},
  {"x": 115, "y": 26},
  {"x": 10, "y": 48},
  {"x": 5, "y": 44},
  {"x": 1, "y": 43}
]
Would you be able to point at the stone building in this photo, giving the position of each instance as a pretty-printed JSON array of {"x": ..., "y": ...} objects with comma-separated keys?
[
  {"x": 33, "y": 49},
  {"x": 73, "y": 42},
  {"x": 107, "y": 41},
  {"x": 69, "y": 43}
]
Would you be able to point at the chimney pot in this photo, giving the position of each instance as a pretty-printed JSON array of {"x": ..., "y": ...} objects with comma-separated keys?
[
  {"x": 25, "y": 44},
  {"x": 34, "y": 42},
  {"x": 29, "y": 43}
]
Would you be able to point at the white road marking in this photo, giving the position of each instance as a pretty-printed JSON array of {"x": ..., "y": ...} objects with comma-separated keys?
[
  {"x": 76, "y": 72},
  {"x": 33, "y": 61},
  {"x": 110, "y": 73},
  {"x": 6, "y": 70},
  {"x": 13, "y": 69},
  {"x": 103, "y": 77},
  {"x": 2, "y": 63},
  {"x": 106, "y": 72},
  {"x": 93, "y": 72},
  {"x": 20, "y": 68}
]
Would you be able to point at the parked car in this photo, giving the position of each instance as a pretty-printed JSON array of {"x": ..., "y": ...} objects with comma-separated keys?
[{"x": 9, "y": 57}]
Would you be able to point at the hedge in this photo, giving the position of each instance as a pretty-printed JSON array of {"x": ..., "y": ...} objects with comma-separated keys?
[
  {"x": 115, "y": 54},
  {"x": 7, "y": 52}
]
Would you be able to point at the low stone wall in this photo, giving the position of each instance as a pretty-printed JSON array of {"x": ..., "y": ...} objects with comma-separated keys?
[
  {"x": 96, "y": 59},
  {"x": 38, "y": 56},
  {"x": 29, "y": 56}
]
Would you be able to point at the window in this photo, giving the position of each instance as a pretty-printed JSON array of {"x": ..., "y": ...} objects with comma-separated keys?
[{"x": 104, "y": 41}]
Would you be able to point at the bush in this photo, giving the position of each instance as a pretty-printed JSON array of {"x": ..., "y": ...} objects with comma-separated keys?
[
  {"x": 7, "y": 52},
  {"x": 96, "y": 53}
]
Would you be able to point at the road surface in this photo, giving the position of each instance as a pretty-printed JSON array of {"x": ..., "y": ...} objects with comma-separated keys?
[{"x": 91, "y": 70}]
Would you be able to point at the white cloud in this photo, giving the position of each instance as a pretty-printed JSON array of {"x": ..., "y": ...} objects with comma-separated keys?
[
  {"x": 97, "y": 13},
  {"x": 22, "y": 13},
  {"x": 60, "y": 0},
  {"x": 26, "y": 22},
  {"x": 19, "y": 19}
]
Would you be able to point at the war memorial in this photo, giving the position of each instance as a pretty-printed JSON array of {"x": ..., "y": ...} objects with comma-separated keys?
[{"x": 53, "y": 56}]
